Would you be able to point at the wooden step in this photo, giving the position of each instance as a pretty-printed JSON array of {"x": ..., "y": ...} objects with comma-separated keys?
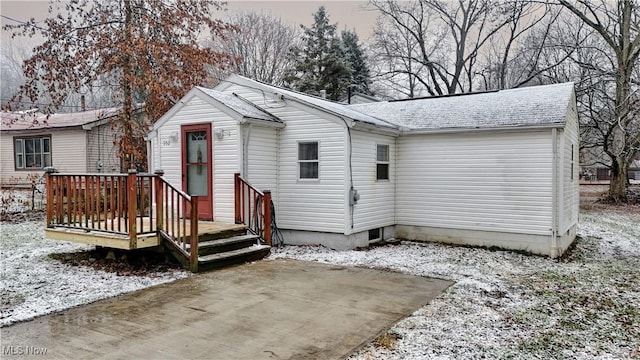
[
  {"x": 208, "y": 236},
  {"x": 218, "y": 260},
  {"x": 227, "y": 244}
]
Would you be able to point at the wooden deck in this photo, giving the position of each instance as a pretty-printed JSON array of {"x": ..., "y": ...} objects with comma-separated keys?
[
  {"x": 99, "y": 236},
  {"x": 132, "y": 211}
]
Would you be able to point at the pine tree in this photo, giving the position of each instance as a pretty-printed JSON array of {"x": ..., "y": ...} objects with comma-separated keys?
[
  {"x": 356, "y": 61},
  {"x": 320, "y": 64}
]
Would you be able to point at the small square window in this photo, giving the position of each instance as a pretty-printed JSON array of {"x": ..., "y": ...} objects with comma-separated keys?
[
  {"x": 308, "y": 163},
  {"x": 382, "y": 162}
]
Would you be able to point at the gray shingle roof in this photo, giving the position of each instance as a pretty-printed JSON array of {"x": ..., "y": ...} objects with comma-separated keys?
[
  {"x": 16, "y": 121},
  {"x": 334, "y": 107},
  {"x": 243, "y": 107},
  {"x": 530, "y": 106}
]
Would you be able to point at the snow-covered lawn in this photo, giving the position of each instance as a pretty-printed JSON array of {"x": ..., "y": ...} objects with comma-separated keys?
[
  {"x": 510, "y": 305},
  {"x": 503, "y": 304},
  {"x": 32, "y": 284}
]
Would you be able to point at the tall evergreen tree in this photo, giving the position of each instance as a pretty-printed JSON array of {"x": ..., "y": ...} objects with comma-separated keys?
[
  {"x": 356, "y": 61},
  {"x": 319, "y": 64}
]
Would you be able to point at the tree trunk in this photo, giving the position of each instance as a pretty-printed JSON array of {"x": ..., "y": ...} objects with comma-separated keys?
[{"x": 618, "y": 184}]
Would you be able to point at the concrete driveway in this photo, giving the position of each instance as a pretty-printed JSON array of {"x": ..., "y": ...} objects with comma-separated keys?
[{"x": 280, "y": 309}]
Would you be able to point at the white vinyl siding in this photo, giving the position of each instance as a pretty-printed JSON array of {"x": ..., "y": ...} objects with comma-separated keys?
[
  {"x": 306, "y": 205},
  {"x": 225, "y": 152},
  {"x": 489, "y": 182},
  {"x": 262, "y": 160},
  {"x": 375, "y": 208},
  {"x": 570, "y": 193}
]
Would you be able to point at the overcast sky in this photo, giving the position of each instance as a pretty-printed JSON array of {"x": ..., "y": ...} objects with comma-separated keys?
[{"x": 348, "y": 14}]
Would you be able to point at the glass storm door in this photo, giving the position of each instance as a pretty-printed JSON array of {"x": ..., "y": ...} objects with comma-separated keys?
[{"x": 196, "y": 167}]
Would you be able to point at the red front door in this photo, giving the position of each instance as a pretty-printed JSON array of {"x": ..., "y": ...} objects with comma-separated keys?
[{"x": 197, "y": 169}]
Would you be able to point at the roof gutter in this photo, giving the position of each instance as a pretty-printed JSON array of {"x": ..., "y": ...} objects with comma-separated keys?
[
  {"x": 406, "y": 131},
  {"x": 251, "y": 120},
  {"x": 359, "y": 125}
]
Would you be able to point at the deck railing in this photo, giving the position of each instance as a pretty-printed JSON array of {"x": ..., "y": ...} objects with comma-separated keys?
[
  {"x": 253, "y": 208},
  {"x": 124, "y": 204}
]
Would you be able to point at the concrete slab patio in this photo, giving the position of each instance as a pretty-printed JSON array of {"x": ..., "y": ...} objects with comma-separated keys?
[{"x": 280, "y": 309}]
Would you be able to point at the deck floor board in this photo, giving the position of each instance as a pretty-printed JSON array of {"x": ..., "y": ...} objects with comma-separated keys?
[{"x": 104, "y": 233}]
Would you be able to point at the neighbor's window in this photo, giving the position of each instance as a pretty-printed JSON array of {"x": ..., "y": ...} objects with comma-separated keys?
[
  {"x": 32, "y": 152},
  {"x": 308, "y": 163},
  {"x": 382, "y": 162}
]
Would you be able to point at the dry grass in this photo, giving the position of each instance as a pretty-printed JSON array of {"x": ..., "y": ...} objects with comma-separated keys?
[
  {"x": 387, "y": 340},
  {"x": 592, "y": 199}
]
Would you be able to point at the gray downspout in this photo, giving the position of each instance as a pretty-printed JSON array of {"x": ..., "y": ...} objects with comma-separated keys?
[
  {"x": 554, "y": 195},
  {"x": 245, "y": 150}
]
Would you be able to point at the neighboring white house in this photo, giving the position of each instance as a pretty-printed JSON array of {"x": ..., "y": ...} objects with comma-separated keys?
[
  {"x": 78, "y": 142},
  {"x": 489, "y": 169}
]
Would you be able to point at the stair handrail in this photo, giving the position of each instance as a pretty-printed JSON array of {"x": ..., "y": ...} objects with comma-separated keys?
[
  {"x": 253, "y": 208},
  {"x": 172, "y": 221}
]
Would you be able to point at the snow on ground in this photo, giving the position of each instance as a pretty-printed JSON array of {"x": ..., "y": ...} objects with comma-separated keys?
[
  {"x": 505, "y": 304},
  {"x": 32, "y": 284}
]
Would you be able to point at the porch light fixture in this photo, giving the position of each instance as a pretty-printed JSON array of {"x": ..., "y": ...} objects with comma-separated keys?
[{"x": 219, "y": 133}]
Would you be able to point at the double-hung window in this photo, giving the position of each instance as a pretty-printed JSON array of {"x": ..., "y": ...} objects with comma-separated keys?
[
  {"x": 32, "y": 152},
  {"x": 308, "y": 161},
  {"x": 382, "y": 162}
]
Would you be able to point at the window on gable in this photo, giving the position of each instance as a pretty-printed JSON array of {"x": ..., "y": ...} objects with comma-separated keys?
[
  {"x": 308, "y": 163},
  {"x": 382, "y": 162},
  {"x": 572, "y": 162},
  {"x": 32, "y": 152}
]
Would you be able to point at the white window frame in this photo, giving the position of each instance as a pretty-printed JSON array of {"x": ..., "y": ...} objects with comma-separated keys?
[
  {"x": 307, "y": 161},
  {"x": 20, "y": 152},
  {"x": 383, "y": 162}
]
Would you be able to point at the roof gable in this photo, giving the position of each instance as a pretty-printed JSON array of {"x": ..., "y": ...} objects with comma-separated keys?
[
  {"x": 232, "y": 105},
  {"x": 243, "y": 107},
  {"x": 522, "y": 107},
  {"x": 326, "y": 106}
]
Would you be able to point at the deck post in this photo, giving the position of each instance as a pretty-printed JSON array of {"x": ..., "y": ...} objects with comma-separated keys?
[
  {"x": 267, "y": 216},
  {"x": 193, "y": 243},
  {"x": 237, "y": 189},
  {"x": 49, "y": 189},
  {"x": 159, "y": 196},
  {"x": 132, "y": 182}
]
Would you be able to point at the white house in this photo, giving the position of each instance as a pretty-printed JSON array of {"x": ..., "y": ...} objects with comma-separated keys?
[
  {"x": 77, "y": 142},
  {"x": 489, "y": 169}
]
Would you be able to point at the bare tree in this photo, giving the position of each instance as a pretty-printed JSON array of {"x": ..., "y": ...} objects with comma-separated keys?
[
  {"x": 395, "y": 50},
  {"x": 526, "y": 47},
  {"x": 618, "y": 25},
  {"x": 448, "y": 37},
  {"x": 260, "y": 46},
  {"x": 11, "y": 58}
]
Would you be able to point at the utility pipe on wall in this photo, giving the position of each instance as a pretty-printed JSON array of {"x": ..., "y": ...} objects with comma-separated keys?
[{"x": 554, "y": 195}]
